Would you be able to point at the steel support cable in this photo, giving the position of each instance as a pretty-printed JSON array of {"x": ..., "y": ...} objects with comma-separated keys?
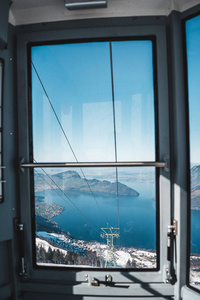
[
  {"x": 75, "y": 207},
  {"x": 114, "y": 125},
  {"x": 65, "y": 135}
]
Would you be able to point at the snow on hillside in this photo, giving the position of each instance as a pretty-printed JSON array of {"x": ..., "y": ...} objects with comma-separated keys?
[
  {"x": 44, "y": 244},
  {"x": 122, "y": 258},
  {"x": 134, "y": 257}
]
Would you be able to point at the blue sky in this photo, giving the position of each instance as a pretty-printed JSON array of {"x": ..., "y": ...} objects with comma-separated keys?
[
  {"x": 193, "y": 63},
  {"x": 77, "y": 78}
]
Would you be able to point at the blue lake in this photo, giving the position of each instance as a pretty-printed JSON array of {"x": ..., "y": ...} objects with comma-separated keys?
[
  {"x": 137, "y": 217},
  {"x": 195, "y": 231}
]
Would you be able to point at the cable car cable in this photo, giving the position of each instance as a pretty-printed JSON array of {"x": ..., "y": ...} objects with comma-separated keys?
[
  {"x": 65, "y": 135},
  {"x": 79, "y": 211},
  {"x": 114, "y": 125}
]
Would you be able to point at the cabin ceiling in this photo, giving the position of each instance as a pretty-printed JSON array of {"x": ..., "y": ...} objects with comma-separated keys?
[{"x": 41, "y": 11}]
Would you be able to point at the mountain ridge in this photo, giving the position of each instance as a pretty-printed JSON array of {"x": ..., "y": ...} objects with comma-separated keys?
[
  {"x": 71, "y": 181},
  {"x": 195, "y": 187}
]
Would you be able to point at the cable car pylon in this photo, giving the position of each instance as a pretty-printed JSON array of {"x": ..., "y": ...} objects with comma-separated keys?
[{"x": 109, "y": 233}]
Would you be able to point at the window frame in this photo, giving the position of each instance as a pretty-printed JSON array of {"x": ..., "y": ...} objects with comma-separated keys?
[
  {"x": 189, "y": 290},
  {"x": 158, "y": 277},
  {"x": 1, "y": 130},
  {"x": 157, "y": 215}
]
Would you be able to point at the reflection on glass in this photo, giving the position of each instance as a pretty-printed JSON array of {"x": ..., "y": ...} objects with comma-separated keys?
[
  {"x": 86, "y": 218},
  {"x": 134, "y": 100},
  {"x": 193, "y": 62},
  {"x": 93, "y": 102},
  {"x": 77, "y": 79}
]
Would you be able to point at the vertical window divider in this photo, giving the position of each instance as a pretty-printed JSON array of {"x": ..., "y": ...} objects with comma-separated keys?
[{"x": 2, "y": 181}]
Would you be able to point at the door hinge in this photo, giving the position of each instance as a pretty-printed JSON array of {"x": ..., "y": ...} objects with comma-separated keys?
[
  {"x": 171, "y": 232},
  {"x": 174, "y": 227},
  {"x": 168, "y": 276}
]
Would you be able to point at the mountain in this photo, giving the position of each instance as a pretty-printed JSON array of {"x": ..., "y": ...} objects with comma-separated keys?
[
  {"x": 195, "y": 198},
  {"x": 195, "y": 188},
  {"x": 44, "y": 224},
  {"x": 195, "y": 176},
  {"x": 46, "y": 209},
  {"x": 71, "y": 181}
]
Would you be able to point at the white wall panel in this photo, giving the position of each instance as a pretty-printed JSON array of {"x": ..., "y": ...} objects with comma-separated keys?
[{"x": 31, "y": 11}]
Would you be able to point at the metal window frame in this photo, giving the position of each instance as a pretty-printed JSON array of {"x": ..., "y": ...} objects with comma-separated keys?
[
  {"x": 158, "y": 164},
  {"x": 2, "y": 181},
  {"x": 140, "y": 279},
  {"x": 191, "y": 16}
]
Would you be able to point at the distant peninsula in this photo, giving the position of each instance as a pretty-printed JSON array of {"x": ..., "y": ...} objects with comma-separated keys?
[
  {"x": 45, "y": 209},
  {"x": 71, "y": 181}
]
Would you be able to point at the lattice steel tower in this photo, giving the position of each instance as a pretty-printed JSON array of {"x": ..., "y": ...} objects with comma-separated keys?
[{"x": 109, "y": 234}]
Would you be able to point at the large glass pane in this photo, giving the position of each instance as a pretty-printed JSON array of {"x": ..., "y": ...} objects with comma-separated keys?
[
  {"x": 134, "y": 100},
  {"x": 193, "y": 62},
  {"x": 94, "y": 221},
  {"x": 72, "y": 103},
  {"x": 94, "y": 102}
]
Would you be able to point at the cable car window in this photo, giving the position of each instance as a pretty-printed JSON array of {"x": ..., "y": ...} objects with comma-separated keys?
[
  {"x": 94, "y": 102},
  {"x": 193, "y": 64}
]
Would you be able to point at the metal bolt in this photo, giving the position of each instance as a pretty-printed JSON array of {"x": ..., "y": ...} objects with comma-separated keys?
[
  {"x": 21, "y": 227},
  {"x": 108, "y": 278}
]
